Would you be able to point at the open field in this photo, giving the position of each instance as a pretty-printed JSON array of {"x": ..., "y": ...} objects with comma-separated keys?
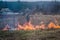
[{"x": 31, "y": 35}]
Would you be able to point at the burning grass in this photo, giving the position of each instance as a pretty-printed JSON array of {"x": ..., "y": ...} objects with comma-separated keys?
[
  {"x": 29, "y": 26},
  {"x": 28, "y": 31}
]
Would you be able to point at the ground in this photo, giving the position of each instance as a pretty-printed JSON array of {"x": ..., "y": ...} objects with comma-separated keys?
[{"x": 51, "y": 34}]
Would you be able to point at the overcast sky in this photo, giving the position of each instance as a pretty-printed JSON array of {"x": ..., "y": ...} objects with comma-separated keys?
[{"x": 30, "y": 0}]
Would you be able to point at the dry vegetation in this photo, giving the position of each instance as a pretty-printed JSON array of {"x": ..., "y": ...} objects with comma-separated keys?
[{"x": 53, "y": 34}]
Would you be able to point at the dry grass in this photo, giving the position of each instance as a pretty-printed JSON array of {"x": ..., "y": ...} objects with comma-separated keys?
[{"x": 31, "y": 35}]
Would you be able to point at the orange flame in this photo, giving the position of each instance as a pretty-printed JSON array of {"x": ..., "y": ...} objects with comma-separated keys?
[
  {"x": 41, "y": 26},
  {"x": 29, "y": 26},
  {"x": 6, "y": 28},
  {"x": 52, "y": 25},
  {"x": 19, "y": 27}
]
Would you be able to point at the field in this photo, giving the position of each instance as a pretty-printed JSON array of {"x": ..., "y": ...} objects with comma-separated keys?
[{"x": 52, "y": 34}]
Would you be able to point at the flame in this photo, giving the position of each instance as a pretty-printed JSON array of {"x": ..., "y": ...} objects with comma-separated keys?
[
  {"x": 57, "y": 27},
  {"x": 52, "y": 25},
  {"x": 29, "y": 26},
  {"x": 6, "y": 28},
  {"x": 40, "y": 27},
  {"x": 19, "y": 27}
]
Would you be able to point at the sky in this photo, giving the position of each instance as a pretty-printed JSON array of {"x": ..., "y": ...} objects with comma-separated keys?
[{"x": 29, "y": 0}]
